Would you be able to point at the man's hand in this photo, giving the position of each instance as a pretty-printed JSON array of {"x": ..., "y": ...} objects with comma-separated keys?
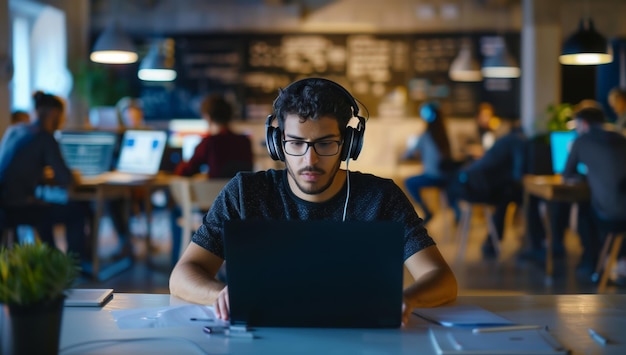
[
  {"x": 222, "y": 305},
  {"x": 48, "y": 173},
  {"x": 406, "y": 313}
]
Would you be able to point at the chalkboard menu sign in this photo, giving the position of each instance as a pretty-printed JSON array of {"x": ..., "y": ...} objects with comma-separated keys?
[{"x": 389, "y": 74}]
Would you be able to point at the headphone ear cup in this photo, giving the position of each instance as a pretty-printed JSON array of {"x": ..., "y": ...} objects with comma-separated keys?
[
  {"x": 273, "y": 139},
  {"x": 347, "y": 143},
  {"x": 269, "y": 142},
  {"x": 277, "y": 140},
  {"x": 354, "y": 140}
]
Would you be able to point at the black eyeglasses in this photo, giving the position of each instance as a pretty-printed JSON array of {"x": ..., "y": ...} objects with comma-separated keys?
[{"x": 322, "y": 148}]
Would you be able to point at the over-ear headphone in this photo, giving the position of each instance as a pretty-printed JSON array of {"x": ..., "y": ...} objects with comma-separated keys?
[
  {"x": 352, "y": 142},
  {"x": 428, "y": 111}
]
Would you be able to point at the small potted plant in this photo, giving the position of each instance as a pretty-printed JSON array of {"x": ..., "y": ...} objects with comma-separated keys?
[
  {"x": 558, "y": 116},
  {"x": 34, "y": 279}
]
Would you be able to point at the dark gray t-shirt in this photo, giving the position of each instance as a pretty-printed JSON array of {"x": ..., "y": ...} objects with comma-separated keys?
[{"x": 266, "y": 195}]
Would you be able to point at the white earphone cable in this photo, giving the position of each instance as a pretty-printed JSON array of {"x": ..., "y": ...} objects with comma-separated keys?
[{"x": 345, "y": 206}]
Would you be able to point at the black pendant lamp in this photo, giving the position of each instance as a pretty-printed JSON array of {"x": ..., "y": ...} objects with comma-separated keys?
[{"x": 586, "y": 46}]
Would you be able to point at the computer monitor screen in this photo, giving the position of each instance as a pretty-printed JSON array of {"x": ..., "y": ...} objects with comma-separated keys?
[
  {"x": 190, "y": 142},
  {"x": 141, "y": 151},
  {"x": 179, "y": 128},
  {"x": 560, "y": 145},
  {"x": 91, "y": 153}
]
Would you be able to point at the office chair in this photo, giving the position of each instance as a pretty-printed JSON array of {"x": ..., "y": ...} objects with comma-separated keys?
[
  {"x": 609, "y": 253},
  {"x": 193, "y": 194}
]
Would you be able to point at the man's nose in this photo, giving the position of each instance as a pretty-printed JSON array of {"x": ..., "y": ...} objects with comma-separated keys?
[{"x": 311, "y": 155}]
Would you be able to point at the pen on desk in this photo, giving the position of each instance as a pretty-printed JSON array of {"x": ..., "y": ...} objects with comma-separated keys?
[
  {"x": 202, "y": 320},
  {"x": 597, "y": 337},
  {"x": 508, "y": 328}
]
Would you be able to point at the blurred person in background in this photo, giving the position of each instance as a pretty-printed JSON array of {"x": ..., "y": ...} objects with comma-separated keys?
[
  {"x": 130, "y": 113},
  {"x": 432, "y": 149},
  {"x": 617, "y": 101},
  {"x": 598, "y": 156},
  {"x": 34, "y": 178},
  {"x": 19, "y": 117},
  {"x": 559, "y": 212},
  {"x": 495, "y": 179},
  {"x": 488, "y": 127},
  {"x": 221, "y": 154}
]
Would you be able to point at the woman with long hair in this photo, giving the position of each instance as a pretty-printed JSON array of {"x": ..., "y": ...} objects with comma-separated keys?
[{"x": 432, "y": 149}]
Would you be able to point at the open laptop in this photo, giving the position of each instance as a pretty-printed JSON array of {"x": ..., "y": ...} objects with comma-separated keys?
[
  {"x": 560, "y": 145},
  {"x": 314, "y": 273},
  {"x": 89, "y": 152},
  {"x": 140, "y": 155}
]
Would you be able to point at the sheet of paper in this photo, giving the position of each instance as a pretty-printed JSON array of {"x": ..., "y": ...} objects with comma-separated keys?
[
  {"x": 461, "y": 316},
  {"x": 170, "y": 316}
]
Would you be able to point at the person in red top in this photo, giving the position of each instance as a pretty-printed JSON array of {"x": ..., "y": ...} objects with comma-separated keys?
[{"x": 222, "y": 152}]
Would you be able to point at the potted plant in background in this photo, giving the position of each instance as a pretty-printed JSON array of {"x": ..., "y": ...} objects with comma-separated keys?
[
  {"x": 558, "y": 116},
  {"x": 34, "y": 279},
  {"x": 539, "y": 159}
]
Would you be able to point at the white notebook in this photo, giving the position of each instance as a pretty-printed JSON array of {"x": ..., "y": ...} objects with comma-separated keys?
[
  {"x": 520, "y": 342},
  {"x": 88, "y": 297}
]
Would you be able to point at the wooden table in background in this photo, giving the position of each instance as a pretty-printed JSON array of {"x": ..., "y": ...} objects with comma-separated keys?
[
  {"x": 101, "y": 190},
  {"x": 553, "y": 188}
]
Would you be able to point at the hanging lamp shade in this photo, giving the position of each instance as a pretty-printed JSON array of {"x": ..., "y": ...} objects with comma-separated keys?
[
  {"x": 501, "y": 64},
  {"x": 465, "y": 67},
  {"x": 586, "y": 46},
  {"x": 113, "y": 47},
  {"x": 158, "y": 65}
]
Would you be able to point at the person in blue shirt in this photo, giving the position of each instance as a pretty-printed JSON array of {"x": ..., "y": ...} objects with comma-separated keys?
[
  {"x": 34, "y": 178},
  {"x": 598, "y": 155},
  {"x": 432, "y": 149},
  {"x": 495, "y": 178}
]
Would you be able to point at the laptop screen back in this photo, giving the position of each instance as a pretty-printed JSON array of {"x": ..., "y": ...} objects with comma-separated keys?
[
  {"x": 190, "y": 142},
  {"x": 314, "y": 273},
  {"x": 141, "y": 151},
  {"x": 91, "y": 153},
  {"x": 180, "y": 128},
  {"x": 560, "y": 145}
]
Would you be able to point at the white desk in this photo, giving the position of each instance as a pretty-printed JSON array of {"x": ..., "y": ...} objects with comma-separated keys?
[{"x": 567, "y": 316}]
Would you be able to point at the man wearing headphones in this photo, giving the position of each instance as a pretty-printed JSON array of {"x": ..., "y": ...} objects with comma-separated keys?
[{"x": 312, "y": 138}]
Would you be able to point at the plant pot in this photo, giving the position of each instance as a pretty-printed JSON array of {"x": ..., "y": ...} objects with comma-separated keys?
[{"x": 33, "y": 329}]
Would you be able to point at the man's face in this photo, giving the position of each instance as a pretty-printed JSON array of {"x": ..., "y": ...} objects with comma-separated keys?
[{"x": 313, "y": 177}]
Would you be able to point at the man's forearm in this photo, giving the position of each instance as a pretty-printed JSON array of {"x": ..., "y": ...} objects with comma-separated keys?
[
  {"x": 432, "y": 289},
  {"x": 191, "y": 283}
]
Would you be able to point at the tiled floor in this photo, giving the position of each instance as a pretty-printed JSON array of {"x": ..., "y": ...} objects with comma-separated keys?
[{"x": 506, "y": 275}]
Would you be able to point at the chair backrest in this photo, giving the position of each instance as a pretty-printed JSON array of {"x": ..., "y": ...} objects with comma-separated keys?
[{"x": 193, "y": 194}]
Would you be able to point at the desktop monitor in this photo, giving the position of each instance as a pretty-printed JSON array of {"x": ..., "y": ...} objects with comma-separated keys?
[
  {"x": 89, "y": 152},
  {"x": 560, "y": 145}
]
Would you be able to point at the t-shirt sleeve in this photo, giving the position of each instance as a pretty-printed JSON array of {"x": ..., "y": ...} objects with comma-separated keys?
[{"x": 210, "y": 234}]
